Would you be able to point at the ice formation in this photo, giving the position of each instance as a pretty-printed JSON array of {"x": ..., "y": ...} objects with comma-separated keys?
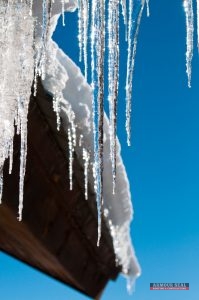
[
  {"x": 188, "y": 8},
  {"x": 135, "y": 13},
  {"x": 197, "y": 3},
  {"x": 103, "y": 20},
  {"x": 76, "y": 104},
  {"x": 86, "y": 158},
  {"x": 77, "y": 94},
  {"x": 17, "y": 72}
]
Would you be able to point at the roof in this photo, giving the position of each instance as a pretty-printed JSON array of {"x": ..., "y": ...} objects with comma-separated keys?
[{"x": 58, "y": 234}]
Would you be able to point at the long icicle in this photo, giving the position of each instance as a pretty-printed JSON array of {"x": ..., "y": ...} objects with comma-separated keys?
[
  {"x": 132, "y": 47},
  {"x": 80, "y": 28},
  {"x": 97, "y": 75},
  {"x": 124, "y": 12},
  {"x": 71, "y": 150},
  {"x": 83, "y": 24},
  {"x": 197, "y": 1},
  {"x": 188, "y": 8},
  {"x": 113, "y": 78},
  {"x": 86, "y": 159},
  {"x": 85, "y": 35},
  {"x": 93, "y": 84},
  {"x": 147, "y": 8},
  {"x": 100, "y": 98}
]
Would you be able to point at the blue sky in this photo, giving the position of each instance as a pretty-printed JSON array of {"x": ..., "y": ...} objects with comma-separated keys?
[{"x": 162, "y": 165}]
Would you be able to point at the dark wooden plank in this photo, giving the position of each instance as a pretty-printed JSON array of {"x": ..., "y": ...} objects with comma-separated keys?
[{"x": 59, "y": 230}]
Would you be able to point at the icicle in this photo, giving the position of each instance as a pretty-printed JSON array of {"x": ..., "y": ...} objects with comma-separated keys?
[
  {"x": 1, "y": 185},
  {"x": 24, "y": 121},
  {"x": 198, "y": 21},
  {"x": 86, "y": 23},
  {"x": 31, "y": 4},
  {"x": 147, "y": 7},
  {"x": 70, "y": 145},
  {"x": 124, "y": 12},
  {"x": 83, "y": 23},
  {"x": 113, "y": 78},
  {"x": 93, "y": 75},
  {"x": 80, "y": 28},
  {"x": 63, "y": 10},
  {"x": 100, "y": 98},
  {"x": 86, "y": 158},
  {"x": 72, "y": 136},
  {"x": 80, "y": 140},
  {"x": 11, "y": 156},
  {"x": 40, "y": 56},
  {"x": 132, "y": 46},
  {"x": 97, "y": 74},
  {"x": 188, "y": 8},
  {"x": 57, "y": 108}
]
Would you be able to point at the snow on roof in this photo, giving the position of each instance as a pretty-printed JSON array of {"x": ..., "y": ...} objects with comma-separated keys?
[{"x": 64, "y": 80}]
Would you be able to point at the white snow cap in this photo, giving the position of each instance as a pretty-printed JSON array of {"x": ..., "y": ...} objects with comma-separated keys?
[{"x": 65, "y": 78}]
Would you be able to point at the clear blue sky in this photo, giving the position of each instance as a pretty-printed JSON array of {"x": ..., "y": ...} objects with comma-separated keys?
[{"x": 162, "y": 165}]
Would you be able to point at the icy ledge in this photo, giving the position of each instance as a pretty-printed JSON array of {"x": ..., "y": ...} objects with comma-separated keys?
[{"x": 66, "y": 83}]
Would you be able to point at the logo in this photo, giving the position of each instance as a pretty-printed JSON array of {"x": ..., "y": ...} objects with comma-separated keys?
[{"x": 169, "y": 286}]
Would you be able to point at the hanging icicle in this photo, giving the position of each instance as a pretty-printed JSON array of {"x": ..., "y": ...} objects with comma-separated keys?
[
  {"x": 97, "y": 75},
  {"x": 113, "y": 78},
  {"x": 41, "y": 46},
  {"x": 86, "y": 158},
  {"x": 188, "y": 8},
  {"x": 135, "y": 13},
  {"x": 124, "y": 12},
  {"x": 63, "y": 12},
  {"x": 57, "y": 108},
  {"x": 72, "y": 136},
  {"x": 71, "y": 150},
  {"x": 197, "y": 3},
  {"x": 147, "y": 8},
  {"x": 83, "y": 24}
]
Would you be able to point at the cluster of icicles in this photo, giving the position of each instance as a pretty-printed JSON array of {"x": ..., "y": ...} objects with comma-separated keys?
[
  {"x": 22, "y": 61},
  {"x": 16, "y": 76}
]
